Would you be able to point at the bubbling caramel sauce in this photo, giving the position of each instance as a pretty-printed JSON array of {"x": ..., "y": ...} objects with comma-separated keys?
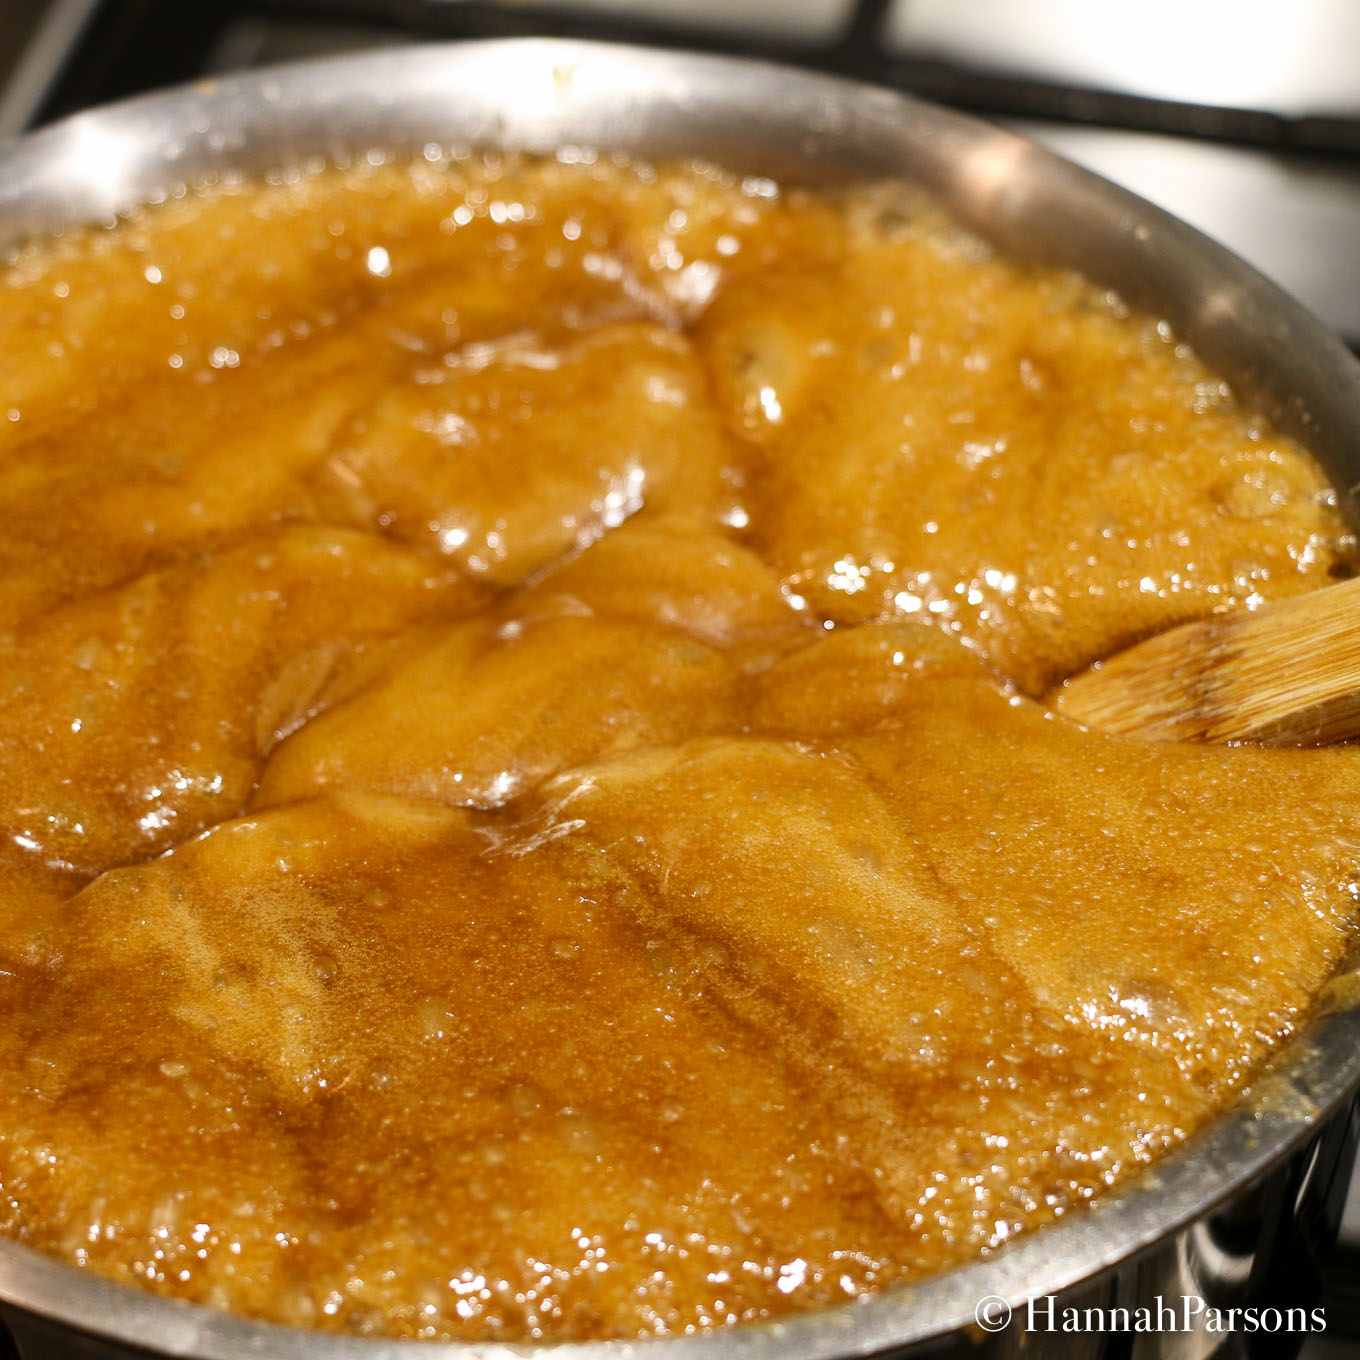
[{"x": 525, "y": 810}]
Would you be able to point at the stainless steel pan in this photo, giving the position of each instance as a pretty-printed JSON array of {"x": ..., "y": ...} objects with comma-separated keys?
[{"x": 1266, "y": 1166}]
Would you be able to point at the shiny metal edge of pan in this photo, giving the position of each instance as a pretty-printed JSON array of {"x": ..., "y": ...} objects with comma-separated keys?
[{"x": 538, "y": 95}]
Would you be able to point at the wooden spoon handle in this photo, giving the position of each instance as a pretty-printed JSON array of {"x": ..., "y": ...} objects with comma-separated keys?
[{"x": 1286, "y": 674}]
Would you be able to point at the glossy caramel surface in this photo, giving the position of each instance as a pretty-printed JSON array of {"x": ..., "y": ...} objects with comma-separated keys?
[{"x": 526, "y": 806}]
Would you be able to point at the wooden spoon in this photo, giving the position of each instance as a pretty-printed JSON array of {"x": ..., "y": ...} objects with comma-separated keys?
[{"x": 1286, "y": 674}]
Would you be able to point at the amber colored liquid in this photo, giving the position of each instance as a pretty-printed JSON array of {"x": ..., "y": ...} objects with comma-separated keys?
[{"x": 525, "y": 810}]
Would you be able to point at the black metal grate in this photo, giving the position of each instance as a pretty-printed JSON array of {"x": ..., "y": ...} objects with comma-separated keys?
[{"x": 136, "y": 45}]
